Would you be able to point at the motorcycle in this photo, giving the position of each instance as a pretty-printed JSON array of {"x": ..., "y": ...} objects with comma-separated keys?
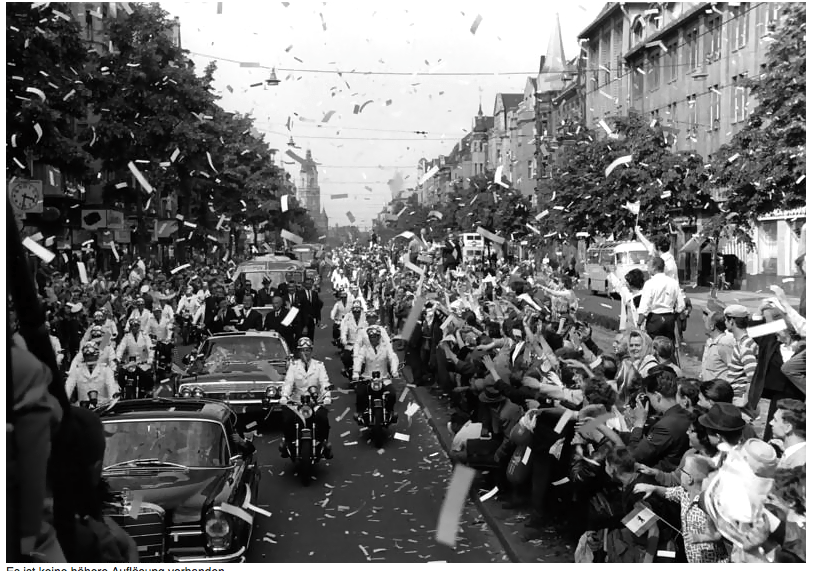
[
  {"x": 197, "y": 335},
  {"x": 376, "y": 416},
  {"x": 129, "y": 381},
  {"x": 163, "y": 359},
  {"x": 93, "y": 401},
  {"x": 307, "y": 448},
  {"x": 185, "y": 327}
]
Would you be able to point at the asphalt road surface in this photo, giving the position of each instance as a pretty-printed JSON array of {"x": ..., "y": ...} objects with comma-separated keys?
[{"x": 365, "y": 504}]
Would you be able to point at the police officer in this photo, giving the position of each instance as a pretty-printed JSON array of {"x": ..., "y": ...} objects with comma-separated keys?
[{"x": 91, "y": 375}]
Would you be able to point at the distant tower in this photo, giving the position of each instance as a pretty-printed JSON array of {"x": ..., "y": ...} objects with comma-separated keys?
[{"x": 308, "y": 194}]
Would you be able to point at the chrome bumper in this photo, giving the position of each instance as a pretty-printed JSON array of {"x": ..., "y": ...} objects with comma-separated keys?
[{"x": 236, "y": 557}]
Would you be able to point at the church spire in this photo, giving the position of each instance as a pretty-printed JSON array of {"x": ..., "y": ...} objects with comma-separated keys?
[{"x": 554, "y": 63}]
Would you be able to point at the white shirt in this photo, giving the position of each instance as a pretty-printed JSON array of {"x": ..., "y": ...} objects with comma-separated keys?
[
  {"x": 350, "y": 329},
  {"x": 339, "y": 311},
  {"x": 661, "y": 294},
  {"x": 142, "y": 349},
  {"x": 100, "y": 380},
  {"x": 381, "y": 360}
]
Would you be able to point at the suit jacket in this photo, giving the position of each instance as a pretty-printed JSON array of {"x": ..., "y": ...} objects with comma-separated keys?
[
  {"x": 234, "y": 315},
  {"x": 251, "y": 320},
  {"x": 666, "y": 441},
  {"x": 291, "y": 299},
  {"x": 310, "y": 308},
  {"x": 216, "y": 324},
  {"x": 273, "y": 322},
  {"x": 264, "y": 298}
]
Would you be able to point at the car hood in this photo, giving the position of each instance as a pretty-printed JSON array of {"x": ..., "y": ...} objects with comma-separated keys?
[{"x": 183, "y": 495}]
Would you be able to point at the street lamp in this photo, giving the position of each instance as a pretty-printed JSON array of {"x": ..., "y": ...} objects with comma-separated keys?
[{"x": 272, "y": 80}]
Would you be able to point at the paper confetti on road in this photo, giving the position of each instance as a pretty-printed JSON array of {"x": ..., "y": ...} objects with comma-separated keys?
[
  {"x": 450, "y": 516},
  {"x": 400, "y": 436},
  {"x": 606, "y": 305},
  {"x": 344, "y": 434},
  {"x": 490, "y": 494},
  {"x": 411, "y": 409},
  {"x": 404, "y": 394}
]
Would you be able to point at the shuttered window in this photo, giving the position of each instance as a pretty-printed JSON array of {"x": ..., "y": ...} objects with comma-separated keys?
[{"x": 618, "y": 31}]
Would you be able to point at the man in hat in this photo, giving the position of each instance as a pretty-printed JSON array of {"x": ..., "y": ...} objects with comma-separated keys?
[
  {"x": 266, "y": 293},
  {"x": 789, "y": 425},
  {"x": 743, "y": 365},
  {"x": 725, "y": 425},
  {"x": 718, "y": 349}
]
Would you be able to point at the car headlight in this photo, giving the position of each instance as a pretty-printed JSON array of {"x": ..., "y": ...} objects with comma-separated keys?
[
  {"x": 271, "y": 392},
  {"x": 218, "y": 530},
  {"x": 306, "y": 412},
  {"x": 186, "y": 393},
  {"x": 198, "y": 393},
  {"x": 376, "y": 385}
]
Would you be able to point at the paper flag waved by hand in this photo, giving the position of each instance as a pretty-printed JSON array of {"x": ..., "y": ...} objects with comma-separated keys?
[
  {"x": 450, "y": 516},
  {"x": 291, "y": 237},
  {"x": 633, "y": 207},
  {"x": 640, "y": 520}
]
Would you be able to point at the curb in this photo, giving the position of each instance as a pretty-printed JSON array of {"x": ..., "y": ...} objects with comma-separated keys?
[{"x": 491, "y": 521}]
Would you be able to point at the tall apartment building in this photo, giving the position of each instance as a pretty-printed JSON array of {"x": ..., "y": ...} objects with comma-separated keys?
[{"x": 684, "y": 63}]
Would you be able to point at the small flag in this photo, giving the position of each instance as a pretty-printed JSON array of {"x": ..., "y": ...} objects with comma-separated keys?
[
  {"x": 640, "y": 520},
  {"x": 633, "y": 207}
]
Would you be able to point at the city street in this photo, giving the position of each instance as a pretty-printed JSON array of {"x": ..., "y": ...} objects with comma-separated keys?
[{"x": 365, "y": 504}]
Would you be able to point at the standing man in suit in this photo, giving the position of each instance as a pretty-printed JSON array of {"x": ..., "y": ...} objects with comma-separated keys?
[
  {"x": 310, "y": 307},
  {"x": 266, "y": 294},
  {"x": 274, "y": 322},
  {"x": 251, "y": 319},
  {"x": 452, "y": 254}
]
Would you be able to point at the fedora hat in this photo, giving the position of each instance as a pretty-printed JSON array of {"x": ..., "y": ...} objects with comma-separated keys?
[
  {"x": 723, "y": 417},
  {"x": 490, "y": 395}
]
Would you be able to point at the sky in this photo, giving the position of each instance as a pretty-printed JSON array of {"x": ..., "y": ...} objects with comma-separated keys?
[{"x": 322, "y": 38}]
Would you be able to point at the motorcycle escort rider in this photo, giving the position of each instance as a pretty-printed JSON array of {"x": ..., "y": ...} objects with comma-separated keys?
[
  {"x": 375, "y": 355},
  {"x": 141, "y": 313},
  {"x": 305, "y": 372},
  {"x": 91, "y": 374},
  {"x": 107, "y": 354},
  {"x": 353, "y": 324},
  {"x": 340, "y": 309},
  {"x": 136, "y": 344}
]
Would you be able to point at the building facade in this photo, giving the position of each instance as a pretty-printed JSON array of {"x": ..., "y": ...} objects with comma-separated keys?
[{"x": 684, "y": 64}]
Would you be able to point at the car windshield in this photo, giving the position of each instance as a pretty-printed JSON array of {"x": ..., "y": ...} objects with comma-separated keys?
[
  {"x": 631, "y": 257},
  {"x": 191, "y": 443},
  {"x": 218, "y": 353}
]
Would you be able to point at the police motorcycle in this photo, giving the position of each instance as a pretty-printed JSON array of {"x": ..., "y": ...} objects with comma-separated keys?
[
  {"x": 130, "y": 380},
  {"x": 376, "y": 416},
  {"x": 307, "y": 448}
]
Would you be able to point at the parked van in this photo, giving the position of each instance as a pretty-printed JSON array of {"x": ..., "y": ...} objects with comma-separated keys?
[{"x": 619, "y": 257}]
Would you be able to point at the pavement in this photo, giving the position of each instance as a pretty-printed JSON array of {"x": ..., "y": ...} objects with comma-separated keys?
[{"x": 365, "y": 504}]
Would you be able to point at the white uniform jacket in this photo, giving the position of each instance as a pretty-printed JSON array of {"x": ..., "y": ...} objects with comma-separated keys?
[
  {"x": 141, "y": 349},
  {"x": 107, "y": 357},
  {"x": 298, "y": 380},
  {"x": 143, "y": 316},
  {"x": 382, "y": 360},
  {"x": 101, "y": 380},
  {"x": 350, "y": 329}
]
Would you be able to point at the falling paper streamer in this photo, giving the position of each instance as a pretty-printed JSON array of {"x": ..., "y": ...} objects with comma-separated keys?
[
  {"x": 450, "y": 516},
  {"x": 83, "y": 273},
  {"x": 490, "y": 494},
  {"x": 566, "y": 416},
  {"x": 428, "y": 175},
  {"x": 36, "y": 91},
  {"x": 338, "y": 196},
  {"x": 237, "y": 512},
  {"x": 343, "y": 415},
  {"x": 179, "y": 269},
  {"x": 474, "y": 27},
  {"x": 284, "y": 203},
  {"x": 38, "y": 130},
  {"x": 359, "y": 108},
  {"x": 350, "y": 216},
  {"x": 291, "y": 237},
  {"x": 140, "y": 177},
  {"x": 541, "y": 215},
  {"x": 175, "y": 154},
  {"x": 327, "y": 116},
  {"x": 45, "y": 255},
  {"x": 412, "y": 318},
  {"x": 490, "y": 236},
  {"x": 290, "y": 316},
  {"x": 620, "y": 161},
  {"x": 212, "y": 166}
]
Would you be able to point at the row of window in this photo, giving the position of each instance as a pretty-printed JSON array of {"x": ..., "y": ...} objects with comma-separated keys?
[{"x": 701, "y": 44}]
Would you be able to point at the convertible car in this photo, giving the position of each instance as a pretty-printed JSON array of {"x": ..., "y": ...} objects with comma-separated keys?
[
  {"x": 244, "y": 369},
  {"x": 185, "y": 482}
]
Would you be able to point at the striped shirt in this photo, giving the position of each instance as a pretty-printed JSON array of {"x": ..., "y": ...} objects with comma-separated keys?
[{"x": 743, "y": 365}]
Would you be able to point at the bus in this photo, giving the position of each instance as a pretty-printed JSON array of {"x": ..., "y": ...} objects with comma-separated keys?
[
  {"x": 473, "y": 246},
  {"x": 619, "y": 257}
]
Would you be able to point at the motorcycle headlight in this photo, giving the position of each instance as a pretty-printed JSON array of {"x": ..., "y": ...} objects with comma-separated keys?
[
  {"x": 306, "y": 412},
  {"x": 376, "y": 385},
  {"x": 186, "y": 393},
  {"x": 218, "y": 530},
  {"x": 271, "y": 392},
  {"x": 198, "y": 393}
]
